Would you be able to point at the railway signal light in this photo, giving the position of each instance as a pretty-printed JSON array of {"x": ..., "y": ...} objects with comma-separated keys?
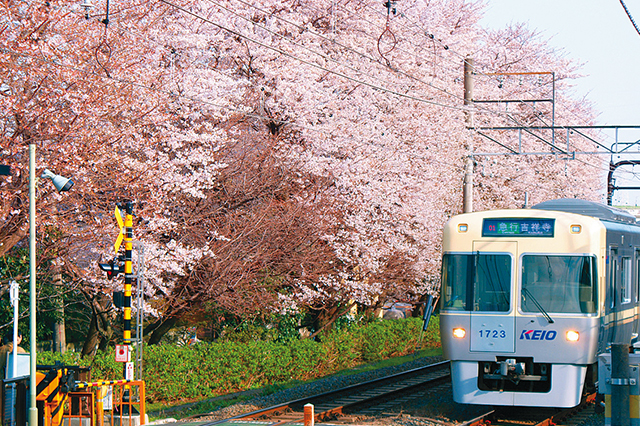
[{"x": 113, "y": 267}]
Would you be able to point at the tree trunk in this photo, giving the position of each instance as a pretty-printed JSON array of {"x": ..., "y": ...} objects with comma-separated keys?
[
  {"x": 335, "y": 314},
  {"x": 91, "y": 341},
  {"x": 100, "y": 329},
  {"x": 59, "y": 329},
  {"x": 162, "y": 329}
]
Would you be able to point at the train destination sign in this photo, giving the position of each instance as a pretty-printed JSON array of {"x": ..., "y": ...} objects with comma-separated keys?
[{"x": 518, "y": 227}]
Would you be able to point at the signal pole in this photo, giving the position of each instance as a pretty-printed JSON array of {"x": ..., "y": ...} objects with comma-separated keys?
[
  {"x": 128, "y": 269},
  {"x": 118, "y": 265},
  {"x": 128, "y": 280}
]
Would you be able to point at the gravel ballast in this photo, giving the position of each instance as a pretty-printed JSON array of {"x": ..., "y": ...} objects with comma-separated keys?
[{"x": 436, "y": 408}]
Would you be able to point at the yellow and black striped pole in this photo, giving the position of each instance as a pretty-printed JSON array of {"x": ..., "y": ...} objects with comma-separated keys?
[
  {"x": 84, "y": 385},
  {"x": 128, "y": 270}
]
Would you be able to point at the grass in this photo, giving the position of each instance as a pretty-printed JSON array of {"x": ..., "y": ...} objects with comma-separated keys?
[{"x": 159, "y": 411}]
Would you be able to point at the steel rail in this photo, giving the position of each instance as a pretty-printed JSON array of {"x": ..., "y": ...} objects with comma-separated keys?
[
  {"x": 348, "y": 397},
  {"x": 569, "y": 412},
  {"x": 556, "y": 419}
]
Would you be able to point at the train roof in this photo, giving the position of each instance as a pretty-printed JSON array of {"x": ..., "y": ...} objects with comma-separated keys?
[{"x": 587, "y": 208}]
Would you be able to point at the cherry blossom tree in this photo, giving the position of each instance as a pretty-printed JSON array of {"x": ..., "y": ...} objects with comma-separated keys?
[{"x": 282, "y": 156}]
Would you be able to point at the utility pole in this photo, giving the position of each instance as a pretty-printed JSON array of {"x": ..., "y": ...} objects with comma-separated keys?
[{"x": 467, "y": 191}]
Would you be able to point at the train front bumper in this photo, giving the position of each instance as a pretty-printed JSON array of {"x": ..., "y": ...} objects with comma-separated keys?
[{"x": 565, "y": 389}]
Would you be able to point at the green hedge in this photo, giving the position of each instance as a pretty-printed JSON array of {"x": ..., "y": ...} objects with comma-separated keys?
[{"x": 181, "y": 373}]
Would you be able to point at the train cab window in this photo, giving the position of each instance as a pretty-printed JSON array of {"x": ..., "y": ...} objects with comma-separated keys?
[
  {"x": 476, "y": 282},
  {"x": 559, "y": 284}
]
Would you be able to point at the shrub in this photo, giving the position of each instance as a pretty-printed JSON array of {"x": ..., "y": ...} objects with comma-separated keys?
[{"x": 181, "y": 373}]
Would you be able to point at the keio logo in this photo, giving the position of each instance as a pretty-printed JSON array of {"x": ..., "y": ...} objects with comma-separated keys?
[{"x": 538, "y": 335}]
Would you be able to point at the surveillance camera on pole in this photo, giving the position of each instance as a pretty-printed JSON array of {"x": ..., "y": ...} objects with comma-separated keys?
[{"x": 60, "y": 182}]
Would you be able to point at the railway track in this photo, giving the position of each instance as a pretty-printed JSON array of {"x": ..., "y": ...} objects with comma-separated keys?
[{"x": 369, "y": 397}]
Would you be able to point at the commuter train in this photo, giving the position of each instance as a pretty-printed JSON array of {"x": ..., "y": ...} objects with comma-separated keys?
[{"x": 530, "y": 297}]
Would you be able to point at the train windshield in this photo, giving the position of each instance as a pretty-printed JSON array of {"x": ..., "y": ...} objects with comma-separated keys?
[
  {"x": 476, "y": 282},
  {"x": 559, "y": 284}
]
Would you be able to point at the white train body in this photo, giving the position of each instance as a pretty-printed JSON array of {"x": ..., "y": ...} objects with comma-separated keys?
[{"x": 530, "y": 298}]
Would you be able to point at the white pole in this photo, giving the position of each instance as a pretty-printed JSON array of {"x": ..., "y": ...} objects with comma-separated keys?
[
  {"x": 15, "y": 298},
  {"x": 33, "y": 410}
]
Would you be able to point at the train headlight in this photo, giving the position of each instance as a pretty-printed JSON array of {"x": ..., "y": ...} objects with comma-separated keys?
[
  {"x": 573, "y": 336},
  {"x": 459, "y": 333}
]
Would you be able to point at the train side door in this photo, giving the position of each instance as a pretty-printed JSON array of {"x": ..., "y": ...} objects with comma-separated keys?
[
  {"x": 492, "y": 316},
  {"x": 613, "y": 281},
  {"x": 612, "y": 299}
]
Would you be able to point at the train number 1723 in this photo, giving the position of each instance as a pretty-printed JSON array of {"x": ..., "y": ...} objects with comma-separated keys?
[{"x": 493, "y": 334}]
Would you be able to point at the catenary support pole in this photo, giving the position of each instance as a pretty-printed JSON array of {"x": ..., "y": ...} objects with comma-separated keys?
[
  {"x": 33, "y": 410},
  {"x": 467, "y": 191},
  {"x": 620, "y": 413}
]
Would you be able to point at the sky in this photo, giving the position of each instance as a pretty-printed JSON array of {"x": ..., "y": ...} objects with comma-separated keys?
[{"x": 598, "y": 34}]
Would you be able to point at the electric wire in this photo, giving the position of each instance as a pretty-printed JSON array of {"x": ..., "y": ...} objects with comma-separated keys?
[
  {"x": 508, "y": 115},
  {"x": 476, "y": 70},
  {"x": 512, "y": 118},
  {"x": 351, "y": 13},
  {"x": 633, "y": 22},
  {"x": 267, "y": 46},
  {"x": 412, "y": 153},
  {"x": 345, "y": 47},
  {"x": 361, "y": 143},
  {"x": 461, "y": 56},
  {"x": 204, "y": 19},
  {"x": 323, "y": 55},
  {"x": 626, "y": 10},
  {"x": 248, "y": 38},
  {"x": 315, "y": 65},
  {"x": 309, "y": 63}
]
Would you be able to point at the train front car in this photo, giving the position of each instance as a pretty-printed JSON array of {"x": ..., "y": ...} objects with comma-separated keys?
[{"x": 520, "y": 314}]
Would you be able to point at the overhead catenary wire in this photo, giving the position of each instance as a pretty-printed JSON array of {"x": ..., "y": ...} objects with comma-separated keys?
[
  {"x": 626, "y": 10},
  {"x": 309, "y": 63},
  {"x": 209, "y": 103},
  {"x": 476, "y": 72},
  {"x": 460, "y": 56},
  {"x": 342, "y": 46},
  {"x": 234, "y": 32},
  {"x": 395, "y": 93},
  {"x": 442, "y": 44},
  {"x": 327, "y": 57},
  {"x": 507, "y": 115}
]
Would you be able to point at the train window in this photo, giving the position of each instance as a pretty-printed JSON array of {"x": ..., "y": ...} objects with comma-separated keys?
[
  {"x": 627, "y": 277},
  {"x": 476, "y": 282},
  {"x": 559, "y": 284},
  {"x": 637, "y": 274}
]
